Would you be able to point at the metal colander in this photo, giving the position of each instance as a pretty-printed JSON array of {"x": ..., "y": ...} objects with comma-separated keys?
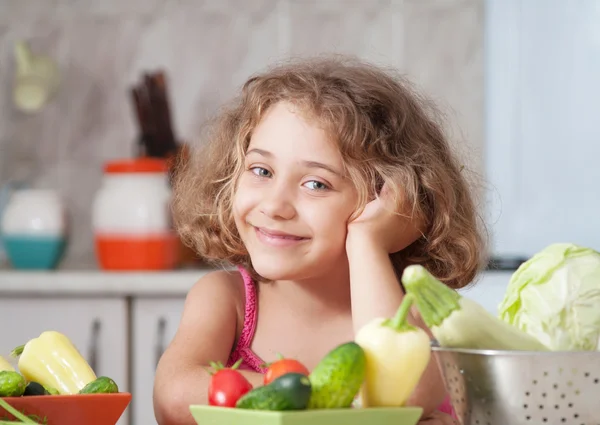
[{"x": 522, "y": 388}]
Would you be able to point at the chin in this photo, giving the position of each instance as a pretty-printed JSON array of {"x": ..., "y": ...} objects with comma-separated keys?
[
  {"x": 278, "y": 268},
  {"x": 271, "y": 269}
]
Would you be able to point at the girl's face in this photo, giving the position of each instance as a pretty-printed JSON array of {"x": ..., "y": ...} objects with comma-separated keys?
[{"x": 292, "y": 203}]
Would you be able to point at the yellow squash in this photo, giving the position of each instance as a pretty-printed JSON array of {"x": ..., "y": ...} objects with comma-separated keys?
[
  {"x": 53, "y": 361},
  {"x": 397, "y": 354}
]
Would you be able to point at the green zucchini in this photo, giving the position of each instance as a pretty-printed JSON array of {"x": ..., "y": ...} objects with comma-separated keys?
[
  {"x": 100, "y": 385},
  {"x": 288, "y": 392}
]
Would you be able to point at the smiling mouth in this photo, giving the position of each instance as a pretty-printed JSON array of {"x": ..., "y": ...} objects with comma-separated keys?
[{"x": 279, "y": 235}]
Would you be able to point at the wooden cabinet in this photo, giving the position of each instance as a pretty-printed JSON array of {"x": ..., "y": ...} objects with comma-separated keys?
[
  {"x": 155, "y": 322},
  {"x": 97, "y": 327}
]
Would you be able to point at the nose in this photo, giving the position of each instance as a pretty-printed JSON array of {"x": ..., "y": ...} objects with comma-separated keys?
[{"x": 278, "y": 204}]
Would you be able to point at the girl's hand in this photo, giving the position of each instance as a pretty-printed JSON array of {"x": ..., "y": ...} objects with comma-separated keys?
[
  {"x": 380, "y": 224},
  {"x": 439, "y": 418}
]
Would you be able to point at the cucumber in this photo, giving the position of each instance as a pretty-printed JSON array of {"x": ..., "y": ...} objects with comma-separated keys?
[
  {"x": 288, "y": 392},
  {"x": 12, "y": 384},
  {"x": 100, "y": 385},
  {"x": 338, "y": 377}
]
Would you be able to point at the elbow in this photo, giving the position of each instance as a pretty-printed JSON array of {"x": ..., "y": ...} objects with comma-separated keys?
[{"x": 172, "y": 404}]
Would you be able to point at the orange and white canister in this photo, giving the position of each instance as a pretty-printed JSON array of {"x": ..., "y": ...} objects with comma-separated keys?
[{"x": 131, "y": 217}]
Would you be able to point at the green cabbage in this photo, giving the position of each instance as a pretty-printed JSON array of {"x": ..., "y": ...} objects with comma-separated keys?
[{"x": 555, "y": 297}]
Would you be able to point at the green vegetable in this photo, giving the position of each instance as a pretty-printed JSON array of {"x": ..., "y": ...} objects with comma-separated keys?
[
  {"x": 51, "y": 390},
  {"x": 288, "y": 392},
  {"x": 12, "y": 384},
  {"x": 338, "y": 377},
  {"x": 34, "y": 388},
  {"x": 21, "y": 418},
  {"x": 100, "y": 385},
  {"x": 555, "y": 297},
  {"x": 458, "y": 322}
]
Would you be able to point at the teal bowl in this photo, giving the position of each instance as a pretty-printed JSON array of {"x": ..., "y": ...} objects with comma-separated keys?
[{"x": 33, "y": 252}]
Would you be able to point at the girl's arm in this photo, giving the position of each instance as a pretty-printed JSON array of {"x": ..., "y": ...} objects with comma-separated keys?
[
  {"x": 375, "y": 290},
  {"x": 206, "y": 333}
]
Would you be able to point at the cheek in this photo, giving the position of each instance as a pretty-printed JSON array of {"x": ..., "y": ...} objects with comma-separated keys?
[
  {"x": 331, "y": 221},
  {"x": 244, "y": 200}
]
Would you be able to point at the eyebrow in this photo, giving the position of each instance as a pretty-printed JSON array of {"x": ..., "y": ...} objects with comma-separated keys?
[{"x": 308, "y": 164}]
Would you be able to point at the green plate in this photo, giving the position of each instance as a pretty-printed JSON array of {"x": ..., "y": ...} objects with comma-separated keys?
[{"x": 210, "y": 415}]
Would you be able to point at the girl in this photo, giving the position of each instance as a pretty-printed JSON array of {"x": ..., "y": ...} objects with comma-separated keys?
[{"x": 321, "y": 182}]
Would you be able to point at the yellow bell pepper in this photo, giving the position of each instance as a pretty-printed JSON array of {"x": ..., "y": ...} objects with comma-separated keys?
[
  {"x": 5, "y": 365},
  {"x": 53, "y": 361},
  {"x": 397, "y": 354}
]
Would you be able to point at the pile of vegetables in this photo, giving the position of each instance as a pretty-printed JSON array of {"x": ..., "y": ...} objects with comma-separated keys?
[
  {"x": 552, "y": 303},
  {"x": 48, "y": 365},
  {"x": 360, "y": 367}
]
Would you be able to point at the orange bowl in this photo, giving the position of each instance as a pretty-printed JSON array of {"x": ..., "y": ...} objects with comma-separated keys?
[{"x": 76, "y": 409}]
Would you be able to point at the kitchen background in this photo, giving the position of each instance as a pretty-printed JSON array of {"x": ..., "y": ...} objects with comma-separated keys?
[{"x": 520, "y": 114}]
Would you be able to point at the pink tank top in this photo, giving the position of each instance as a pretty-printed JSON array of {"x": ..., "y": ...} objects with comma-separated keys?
[{"x": 250, "y": 361}]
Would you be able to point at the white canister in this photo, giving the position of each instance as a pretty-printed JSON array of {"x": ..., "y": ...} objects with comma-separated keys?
[
  {"x": 34, "y": 228},
  {"x": 131, "y": 217}
]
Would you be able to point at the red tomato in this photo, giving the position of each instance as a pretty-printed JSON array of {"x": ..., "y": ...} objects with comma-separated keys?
[
  {"x": 283, "y": 366},
  {"x": 226, "y": 387}
]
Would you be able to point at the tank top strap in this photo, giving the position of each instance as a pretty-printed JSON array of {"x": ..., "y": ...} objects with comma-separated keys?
[
  {"x": 250, "y": 310},
  {"x": 250, "y": 361}
]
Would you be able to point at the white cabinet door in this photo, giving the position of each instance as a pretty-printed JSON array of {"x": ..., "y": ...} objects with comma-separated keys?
[
  {"x": 97, "y": 327},
  {"x": 155, "y": 322}
]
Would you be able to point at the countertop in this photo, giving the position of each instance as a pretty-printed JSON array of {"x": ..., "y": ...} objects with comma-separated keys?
[
  {"x": 97, "y": 282},
  {"x": 488, "y": 289}
]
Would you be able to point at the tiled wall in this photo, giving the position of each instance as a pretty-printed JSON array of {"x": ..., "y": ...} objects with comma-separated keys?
[{"x": 208, "y": 48}]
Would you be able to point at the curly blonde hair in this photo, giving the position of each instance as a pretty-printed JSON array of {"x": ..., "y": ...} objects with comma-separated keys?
[{"x": 386, "y": 133}]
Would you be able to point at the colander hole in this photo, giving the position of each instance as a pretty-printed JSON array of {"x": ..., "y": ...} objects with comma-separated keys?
[
  {"x": 527, "y": 393},
  {"x": 535, "y": 382},
  {"x": 541, "y": 406},
  {"x": 576, "y": 415},
  {"x": 563, "y": 419},
  {"x": 544, "y": 394},
  {"x": 555, "y": 386},
  {"x": 528, "y": 417},
  {"x": 545, "y": 373},
  {"x": 587, "y": 374},
  {"x": 525, "y": 406},
  {"x": 544, "y": 419},
  {"x": 556, "y": 406},
  {"x": 570, "y": 404},
  {"x": 596, "y": 380},
  {"x": 563, "y": 396}
]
